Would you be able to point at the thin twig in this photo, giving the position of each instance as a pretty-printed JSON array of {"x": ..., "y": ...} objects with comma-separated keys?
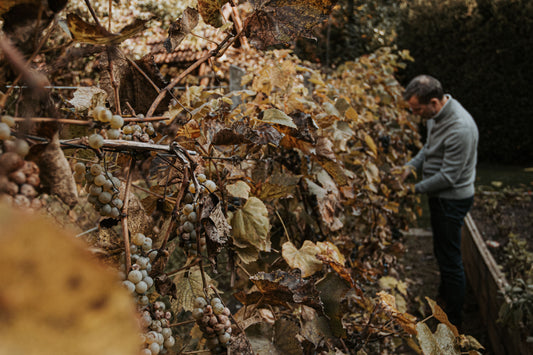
[
  {"x": 174, "y": 272},
  {"x": 93, "y": 14},
  {"x": 283, "y": 224},
  {"x": 124, "y": 218},
  {"x": 157, "y": 89},
  {"x": 112, "y": 78},
  {"x": 110, "y": 15},
  {"x": 186, "y": 72},
  {"x": 182, "y": 323}
]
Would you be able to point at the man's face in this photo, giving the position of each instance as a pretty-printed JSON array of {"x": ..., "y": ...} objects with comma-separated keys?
[{"x": 425, "y": 111}]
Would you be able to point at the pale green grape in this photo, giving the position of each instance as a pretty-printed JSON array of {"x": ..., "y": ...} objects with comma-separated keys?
[
  {"x": 210, "y": 185},
  {"x": 105, "y": 197},
  {"x": 79, "y": 168},
  {"x": 99, "y": 180},
  {"x": 22, "y": 147},
  {"x": 116, "y": 121},
  {"x": 8, "y": 120},
  {"x": 138, "y": 239},
  {"x": 105, "y": 115},
  {"x": 96, "y": 169},
  {"x": 5, "y": 131},
  {"x": 113, "y": 134},
  {"x": 96, "y": 141},
  {"x": 141, "y": 287},
  {"x": 135, "y": 276}
]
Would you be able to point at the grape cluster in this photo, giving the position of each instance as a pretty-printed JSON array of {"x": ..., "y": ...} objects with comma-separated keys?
[
  {"x": 189, "y": 216},
  {"x": 156, "y": 320},
  {"x": 19, "y": 179},
  {"x": 102, "y": 187},
  {"x": 213, "y": 318},
  {"x": 141, "y": 132},
  {"x": 113, "y": 128},
  {"x": 137, "y": 281}
]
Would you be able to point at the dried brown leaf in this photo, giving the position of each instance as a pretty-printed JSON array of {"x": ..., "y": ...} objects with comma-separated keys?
[
  {"x": 91, "y": 33},
  {"x": 180, "y": 28},
  {"x": 278, "y": 22}
]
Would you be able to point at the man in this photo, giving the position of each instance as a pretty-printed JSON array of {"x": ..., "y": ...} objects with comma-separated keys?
[{"x": 447, "y": 161}]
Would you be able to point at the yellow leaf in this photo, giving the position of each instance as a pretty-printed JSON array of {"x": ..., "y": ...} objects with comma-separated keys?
[
  {"x": 303, "y": 258},
  {"x": 273, "y": 115},
  {"x": 331, "y": 251},
  {"x": 351, "y": 114},
  {"x": 239, "y": 189},
  {"x": 370, "y": 142},
  {"x": 250, "y": 225},
  {"x": 388, "y": 283},
  {"x": 189, "y": 286}
]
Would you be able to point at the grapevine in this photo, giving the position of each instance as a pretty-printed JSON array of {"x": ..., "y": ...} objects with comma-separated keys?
[{"x": 214, "y": 190}]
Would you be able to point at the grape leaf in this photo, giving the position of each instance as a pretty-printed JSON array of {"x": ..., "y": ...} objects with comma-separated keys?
[
  {"x": 189, "y": 286},
  {"x": 303, "y": 258},
  {"x": 251, "y": 226},
  {"x": 75, "y": 304},
  {"x": 282, "y": 288},
  {"x": 442, "y": 342},
  {"x": 180, "y": 28},
  {"x": 278, "y": 22}
]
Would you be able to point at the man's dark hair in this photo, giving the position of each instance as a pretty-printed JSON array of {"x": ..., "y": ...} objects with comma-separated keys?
[{"x": 425, "y": 88}]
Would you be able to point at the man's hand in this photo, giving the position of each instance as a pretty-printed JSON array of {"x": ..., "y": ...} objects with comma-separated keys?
[{"x": 407, "y": 170}]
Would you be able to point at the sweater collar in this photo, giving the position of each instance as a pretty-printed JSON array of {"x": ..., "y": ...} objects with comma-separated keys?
[{"x": 444, "y": 110}]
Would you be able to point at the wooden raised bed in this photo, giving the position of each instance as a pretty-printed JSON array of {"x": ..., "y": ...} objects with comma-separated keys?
[{"x": 487, "y": 282}]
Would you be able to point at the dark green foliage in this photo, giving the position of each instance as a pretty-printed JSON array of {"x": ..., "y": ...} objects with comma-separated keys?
[
  {"x": 481, "y": 51},
  {"x": 355, "y": 27}
]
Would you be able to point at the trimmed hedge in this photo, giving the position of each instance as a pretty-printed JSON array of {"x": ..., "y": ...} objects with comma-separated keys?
[{"x": 482, "y": 51}]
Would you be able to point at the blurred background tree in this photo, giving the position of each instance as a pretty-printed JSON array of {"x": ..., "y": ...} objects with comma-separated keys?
[{"x": 481, "y": 50}]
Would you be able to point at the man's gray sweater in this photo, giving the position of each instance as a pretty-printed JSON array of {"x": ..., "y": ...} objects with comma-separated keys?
[{"x": 448, "y": 159}]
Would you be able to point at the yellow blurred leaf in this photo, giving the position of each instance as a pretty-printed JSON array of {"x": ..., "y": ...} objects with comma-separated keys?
[
  {"x": 303, "y": 258},
  {"x": 387, "y": 283},
  {"x": 370, "y": 143},
  {"x": 55, "y": 297}
]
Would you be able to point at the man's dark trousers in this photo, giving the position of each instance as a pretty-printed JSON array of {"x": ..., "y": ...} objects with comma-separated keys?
[{"x": 447, "y": 218}]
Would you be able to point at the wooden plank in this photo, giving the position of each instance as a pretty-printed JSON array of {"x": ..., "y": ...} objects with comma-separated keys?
[{"x": 488, "y": 282}]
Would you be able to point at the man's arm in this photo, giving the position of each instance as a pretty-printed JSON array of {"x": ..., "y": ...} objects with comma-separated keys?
[{"x": 457, "y": 150}]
